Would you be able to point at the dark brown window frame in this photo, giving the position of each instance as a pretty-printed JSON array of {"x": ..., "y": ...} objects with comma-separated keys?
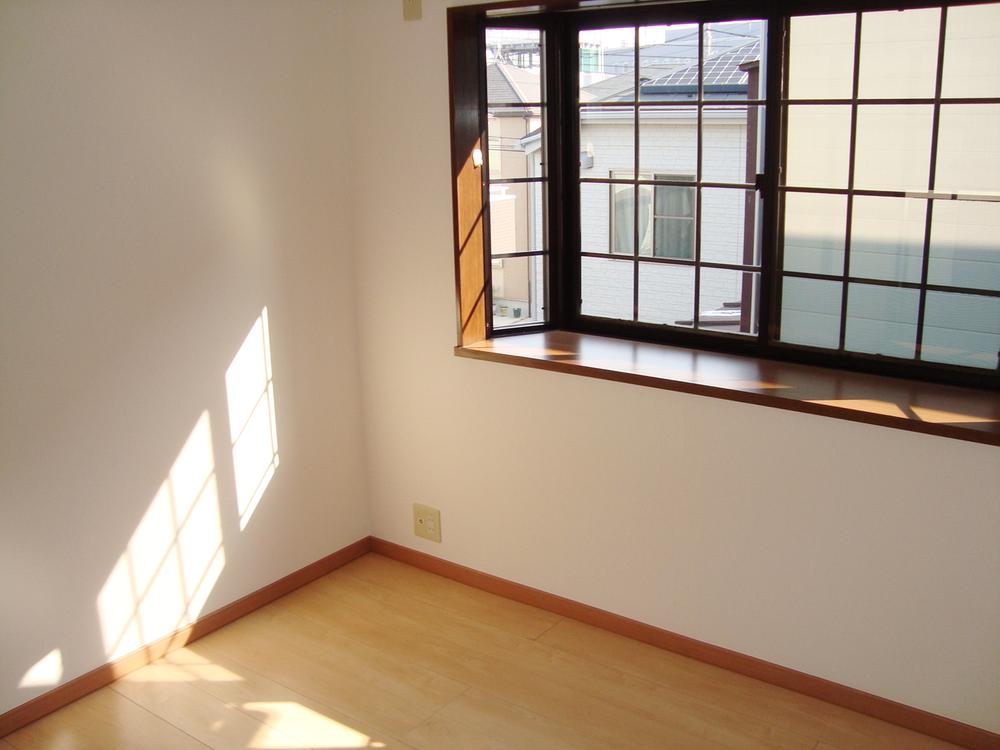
[{"x": 465, "y": 28}]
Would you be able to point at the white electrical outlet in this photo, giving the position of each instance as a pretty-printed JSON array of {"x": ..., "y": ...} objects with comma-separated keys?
[
  {"x": 411, "y": 10},
  {"x": 427, "y": 522}
]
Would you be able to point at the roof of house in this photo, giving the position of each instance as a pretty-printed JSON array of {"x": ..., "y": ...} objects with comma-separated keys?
[
  {"x": 608, "y": 89},
  {"x": 719, "y": 70},
  {"x": 725, "y": 77},
  {"x": 509, "y": 84}
]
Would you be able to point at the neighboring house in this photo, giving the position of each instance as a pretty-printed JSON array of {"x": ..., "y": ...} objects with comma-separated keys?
[
  {"x": 515, "y": 208},
  {"x": 887, "y": 233},
  {"x": 666, "y": 214}
]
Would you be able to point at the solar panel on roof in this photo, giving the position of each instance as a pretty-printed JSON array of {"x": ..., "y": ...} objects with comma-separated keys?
[{"x": 721, "y": 69}]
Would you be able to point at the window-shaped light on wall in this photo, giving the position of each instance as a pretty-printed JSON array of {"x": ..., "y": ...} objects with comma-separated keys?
[
  {"x": 252, "y": 428},
  {"x": 162, "y": 580}
]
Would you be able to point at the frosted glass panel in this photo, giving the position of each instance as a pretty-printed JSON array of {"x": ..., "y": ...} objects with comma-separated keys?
[
  {"x": 899, "y": 53},
  {"x": 961, "y": 329},
  {"x": 893, "y": 147},
  {"x": 887, "y": 238},
  {"x": 821, "y": 64},
  {"x": 881, "y": 320},
  {"x": 968, "y": 159},
  {"x": 965, "y": 244},
  {"x": 810, "y": 312},
  {"x": 815, "y": 226},
  {"x": 819, "y": 139},
  {"x": 972, "y": 38}
]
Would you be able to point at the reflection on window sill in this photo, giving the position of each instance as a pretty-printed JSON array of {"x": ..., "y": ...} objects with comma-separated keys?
[{"x": 946, "y": 411}]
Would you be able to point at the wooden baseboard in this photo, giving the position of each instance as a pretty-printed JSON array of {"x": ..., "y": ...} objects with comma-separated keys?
[
  {"x": 62, "y": 695},
  {"x": 816, "y": 687}
]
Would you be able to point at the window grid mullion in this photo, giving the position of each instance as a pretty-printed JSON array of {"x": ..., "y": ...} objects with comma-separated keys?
[
  {"x": 850, "y": 183},
  {"x": 635, "y": 180},
  {"x": 775, "y": 159},
  {"x": 698, "y": 175},
  {"x": 931, "y": 177}
]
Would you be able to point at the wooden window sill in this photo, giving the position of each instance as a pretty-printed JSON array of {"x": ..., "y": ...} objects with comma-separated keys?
[{"x": 946, "y": 411}]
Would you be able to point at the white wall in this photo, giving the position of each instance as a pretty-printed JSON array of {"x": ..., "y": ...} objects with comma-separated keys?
[
  {"x": 857, "y": 553},
  {"x": 167, "y": 170}
]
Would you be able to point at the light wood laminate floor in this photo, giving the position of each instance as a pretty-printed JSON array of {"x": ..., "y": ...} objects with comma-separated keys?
[{"x": 382, "y": 655}]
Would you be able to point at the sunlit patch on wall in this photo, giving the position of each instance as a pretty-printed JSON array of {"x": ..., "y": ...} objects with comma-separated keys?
[
  {"x": 250, "y": 392},
  {"x": 301, "y": 727},
  {"x": 173, "y": 559},
  {"x": 45, "y": 672}
]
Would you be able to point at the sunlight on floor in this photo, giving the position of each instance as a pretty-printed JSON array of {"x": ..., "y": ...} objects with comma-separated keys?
[
  {"x": 184, "y": 665},
  {"x": 46, "y": 672},
  {"x": 250, "y": 393},
  {"x": 307, "y": 728},
  {"x": 163, "y": 578}
]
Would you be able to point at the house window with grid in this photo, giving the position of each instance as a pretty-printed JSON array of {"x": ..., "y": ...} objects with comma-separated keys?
[
  {"x": 802, "y": 181},
  {"x": 665, "y": 216}
]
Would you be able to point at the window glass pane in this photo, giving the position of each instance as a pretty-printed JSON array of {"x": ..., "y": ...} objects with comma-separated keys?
[
  {"x": 893, "y": 147},
  {"x": 666, "y": 293},
  {"x": 607, "y": 140},
  {"x": 513, "y": 66},
  {"x": 606, "y": 286},
  {"x": 516, "y": 218},
  {"x": 972, "y": 38},
  {"x": 968, "y": 157},
  {"x": 622, "y": 240},
  {"x": 815, "y": 225},
  {"x": 726, "y": 301},
  {"x": 821, "y": 57},
  {"x": 518, "y": 291},
  {"x": 810, "y": 312},
  {"x": 668, "y": 140},
  {"x": 726, "y": 234},
  {"x": 730, "y": 143},
  {"x": 881, "y": 320},
  {"x": 595, "y": 221},
  {"x": 607, "y": 64},
  {"x": 666, "y": 219},
  {"x": 732, "y": 53},
  {"x": 819, "y": 141},
  {"x": 962, "y": 329},
  {"x": 887, "y": 238},
  {"x": 899, "y": 53},
  {"x": 965, "y": 244},
  {"x": 515, "y": 142},
  {"x": 668, "y": 62},
  {"x": 673, "y": 200}
]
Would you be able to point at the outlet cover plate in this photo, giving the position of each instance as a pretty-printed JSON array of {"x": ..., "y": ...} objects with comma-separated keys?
[
  {"x": 412, "y": 10},
  {"x": 427, "y": 522}
]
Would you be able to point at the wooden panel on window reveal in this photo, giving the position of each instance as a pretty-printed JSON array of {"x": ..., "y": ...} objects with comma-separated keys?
[
  {"x": 466, "y": 141},
  {"x": 469, "y": 253}
]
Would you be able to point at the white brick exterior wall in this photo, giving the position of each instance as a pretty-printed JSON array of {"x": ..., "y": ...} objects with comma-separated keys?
[{"x": 668, "y": 145}]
